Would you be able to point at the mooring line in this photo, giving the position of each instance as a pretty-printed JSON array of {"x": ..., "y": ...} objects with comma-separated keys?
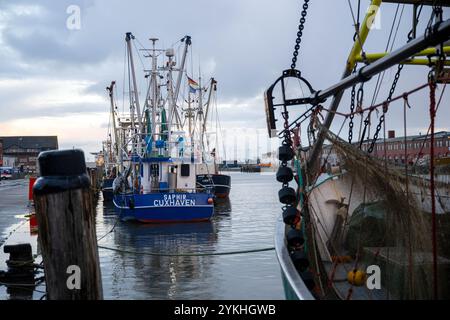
[
  {"x": 187, "y": 254},
  {"x": 6, "y": 238}
]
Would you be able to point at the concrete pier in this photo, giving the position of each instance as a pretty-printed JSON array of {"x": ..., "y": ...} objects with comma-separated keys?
[{"x": 13, "y": 204}]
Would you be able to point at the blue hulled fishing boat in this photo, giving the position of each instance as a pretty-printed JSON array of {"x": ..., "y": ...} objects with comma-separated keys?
[{"x": 158, "y": 160}]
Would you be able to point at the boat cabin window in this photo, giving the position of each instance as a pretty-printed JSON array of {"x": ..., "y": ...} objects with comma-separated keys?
[
  {"x": 154, "y": 170},
  {"x": 185, "y": 170}
]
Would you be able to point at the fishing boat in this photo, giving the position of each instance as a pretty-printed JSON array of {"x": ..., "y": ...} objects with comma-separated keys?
[
  {"x": 208, "y": 176},
  {"x": 158, "y": 159},
  {"x": 110, "y": 150},
  {"x": 220, "y": 184},
  {"x": 364, "y": 218}
]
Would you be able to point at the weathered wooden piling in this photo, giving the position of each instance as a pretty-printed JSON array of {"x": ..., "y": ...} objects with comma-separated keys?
[{"x": 67, "y": 234}]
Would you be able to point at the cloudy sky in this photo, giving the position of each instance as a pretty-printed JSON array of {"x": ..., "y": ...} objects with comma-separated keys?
[{"x": 53, "y": 79}]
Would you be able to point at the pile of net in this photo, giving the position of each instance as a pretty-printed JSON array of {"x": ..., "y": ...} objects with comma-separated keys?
[{"x": 391, "y": 229}]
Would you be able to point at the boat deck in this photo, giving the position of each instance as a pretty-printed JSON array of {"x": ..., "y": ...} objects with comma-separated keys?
[{"x": 342, "y": 286}]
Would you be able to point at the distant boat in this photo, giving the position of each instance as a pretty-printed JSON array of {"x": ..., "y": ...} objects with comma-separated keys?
[
  {"x": 110, "y": 152},
  {"x": 220, "y": 184},
  {"x": 107, "y": 189},
  {"x": 208, "y": 176}
]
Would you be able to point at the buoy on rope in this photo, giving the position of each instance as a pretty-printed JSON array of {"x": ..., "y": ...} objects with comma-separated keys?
[{"x": 357, "y": 277}]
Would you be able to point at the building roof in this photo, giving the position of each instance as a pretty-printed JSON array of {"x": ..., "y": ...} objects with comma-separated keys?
[{"x": 30, "y": 142}]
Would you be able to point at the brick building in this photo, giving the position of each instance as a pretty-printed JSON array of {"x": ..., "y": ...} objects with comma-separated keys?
[
  {"x": 417, "y": 147},
  {"x": 22, "y": 152}
]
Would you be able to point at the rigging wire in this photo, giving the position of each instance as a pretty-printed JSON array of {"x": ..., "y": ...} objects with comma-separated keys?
[
  {"x": 356, "y": 24},
  {"x": 380, "y": 77},
  {"x": 378, "y": 105}
]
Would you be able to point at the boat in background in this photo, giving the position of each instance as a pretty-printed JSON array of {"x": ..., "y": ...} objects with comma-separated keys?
[
  {"x": 220, "y": 184},
  {"x": 208, "y": 176},
  {"x": 110, "y": 150},
  {"x": 107, "y": 189}
]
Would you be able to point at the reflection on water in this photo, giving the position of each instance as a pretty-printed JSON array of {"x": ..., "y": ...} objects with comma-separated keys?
[{"x": 245, "y": 221}]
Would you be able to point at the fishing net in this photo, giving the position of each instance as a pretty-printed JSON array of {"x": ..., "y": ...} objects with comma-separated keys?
[{"x": 390, "y": 226}]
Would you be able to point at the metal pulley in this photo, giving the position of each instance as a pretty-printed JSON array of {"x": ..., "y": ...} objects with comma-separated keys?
[
  {"x": 287, "y": 195},
  {"x": 269, "y": 98},
  {"x": 284, "y": 174}
]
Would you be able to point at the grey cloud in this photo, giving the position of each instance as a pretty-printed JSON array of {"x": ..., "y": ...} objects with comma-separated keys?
[
  {"x": 67, "y": 109},
  {"x": 250, "y": 42}
]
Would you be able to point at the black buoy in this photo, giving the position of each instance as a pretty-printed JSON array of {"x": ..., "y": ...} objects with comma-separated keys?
[
  {"x": 290, "y": 216},
  {"x": 300, "y": 260},
  {"x": 287, "y": 195},
  {"x": 285, "y": 153},
  {"x": 295, "y": 238},
  {"x": 284, "y": 174},
  {"x": 308, "y": 279}
]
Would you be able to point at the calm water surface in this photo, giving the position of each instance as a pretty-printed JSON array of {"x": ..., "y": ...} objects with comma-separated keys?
[{"x": 245, "y": 221}]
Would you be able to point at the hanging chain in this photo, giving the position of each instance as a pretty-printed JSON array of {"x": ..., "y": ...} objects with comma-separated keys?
[
  {"x": 385, "y": 108},
  {"x": 359, "y": 101},
  {"x": 352, "y": 109},
  {"x": 301, "y": 26},
  {"x": 287, "y": 141}
]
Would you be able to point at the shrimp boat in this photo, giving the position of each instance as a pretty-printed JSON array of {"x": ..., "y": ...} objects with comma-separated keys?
[
  {"x": 208, "y": 176},
  {"x": 157, "y": 168},
  {"x": 110, "y": 150},
  {"x": 367, "y": 217}
]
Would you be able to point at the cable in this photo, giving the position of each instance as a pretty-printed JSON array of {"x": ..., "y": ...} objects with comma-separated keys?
[
  {"x": 187, "y": 254},
  {"x": 112, "y": 229}
]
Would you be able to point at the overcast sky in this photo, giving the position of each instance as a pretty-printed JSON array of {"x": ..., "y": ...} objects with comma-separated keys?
[{"x": 53, "y": 79}]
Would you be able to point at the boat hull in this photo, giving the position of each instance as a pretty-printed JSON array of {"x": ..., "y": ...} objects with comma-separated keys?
[
  {"x": 107, "y": 190},
  {"x": 220, "y": 184},
  {"x": 294, "y": 287},
  {"x": 164, "y": 207}
]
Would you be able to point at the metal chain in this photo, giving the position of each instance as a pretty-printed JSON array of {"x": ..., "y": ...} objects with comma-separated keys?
[
  {"x": 287, "y": 137},
  {"x": 301, "y": 26},
  {"x": 352, "y": 109},
  {"x": 359, "y": 101},
  {"x": 385, "y": 108}
]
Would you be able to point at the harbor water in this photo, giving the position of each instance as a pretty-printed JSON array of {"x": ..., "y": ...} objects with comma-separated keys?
[{"x": 135, "y": 270}]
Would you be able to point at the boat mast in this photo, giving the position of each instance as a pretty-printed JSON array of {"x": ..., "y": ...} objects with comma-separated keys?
[
  {"x": 187, "y": 43},
  {"x": 208, "y": 102},
  {"x": 128, "y": 38},
  {"x": 113, "y": 115},
  {"x": 154, "y": 85},
  {"x": 200, "y": 110},
  {"x": 172, "y": 100}
]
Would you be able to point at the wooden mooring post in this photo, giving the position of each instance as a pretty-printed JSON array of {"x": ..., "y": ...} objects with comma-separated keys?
[{"x": 67, "y": 234}]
